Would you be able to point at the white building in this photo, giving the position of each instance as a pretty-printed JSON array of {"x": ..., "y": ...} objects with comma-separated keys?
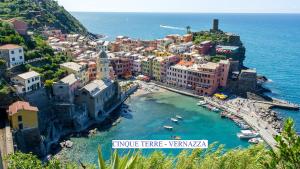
[
  {"x": 27, "y": 82},
  {"x": 102, "y": 45},
  {"x": 137, "y": 66},
  {"x": 79, "y": 70},
  {"x": 12, "y": 54}
]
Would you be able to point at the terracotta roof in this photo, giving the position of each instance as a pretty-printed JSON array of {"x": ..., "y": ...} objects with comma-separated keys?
[
  {"x": 186, "y": 63},
  {"x": 10, "y": 46},
  {"x": 20, "y": 105}
]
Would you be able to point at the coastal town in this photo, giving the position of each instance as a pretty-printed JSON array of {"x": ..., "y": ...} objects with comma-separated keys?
[{"x": 99, "y": 75}]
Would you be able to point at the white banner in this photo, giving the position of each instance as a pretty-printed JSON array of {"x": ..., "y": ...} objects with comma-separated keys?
[{"x": 144, "y": 144}]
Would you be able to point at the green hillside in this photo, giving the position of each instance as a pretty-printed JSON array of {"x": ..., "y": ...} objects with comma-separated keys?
[{"x": 40, "y": 13}]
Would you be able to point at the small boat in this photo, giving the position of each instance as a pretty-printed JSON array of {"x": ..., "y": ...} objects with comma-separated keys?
[
  {"x": 116, "y": 122},
  {"x": 247, "y": 134},
  {"x": 168, "y": 127},
  {"x": 256, "y": 140},
  {"x": 223, "y": 114},
  {"x": 201, "y": 103},
  {"x": 176, "y": 137},
  {"x": 244, "y": 126},
  {"x": 174, "y": 120},
  {"x": 179, "y": 117},
  {"x": 215, "y": 109}
]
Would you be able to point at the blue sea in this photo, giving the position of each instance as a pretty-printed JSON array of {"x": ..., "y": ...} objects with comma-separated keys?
[{"x": 272, "y": 44}]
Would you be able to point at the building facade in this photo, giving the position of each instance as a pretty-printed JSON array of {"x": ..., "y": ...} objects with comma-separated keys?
[
  {"x": 12, "y": 54},
  {"x": 98, "y": 96},
  {"x": 27, "y": 82},
  {"x": 22, "y": 115},
  {"x": 79, "y": 70}
]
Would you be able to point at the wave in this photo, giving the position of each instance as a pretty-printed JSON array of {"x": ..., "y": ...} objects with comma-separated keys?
[{"x": 171, "y": 27}]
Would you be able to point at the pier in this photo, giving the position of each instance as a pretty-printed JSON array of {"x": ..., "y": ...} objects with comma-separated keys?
[
  {"x": 279, "y": 104},
  {"x": 251, "y": 118}
]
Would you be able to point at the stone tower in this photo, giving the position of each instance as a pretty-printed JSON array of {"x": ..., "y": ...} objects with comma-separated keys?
[
  {"x": 102, "y": 66},
  {"x": 215, "y": 25}
]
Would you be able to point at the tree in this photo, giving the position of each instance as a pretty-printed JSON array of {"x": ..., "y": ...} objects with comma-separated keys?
[
  {"x": 20, "y": 160},
  {"x": 287, "y": 154}
]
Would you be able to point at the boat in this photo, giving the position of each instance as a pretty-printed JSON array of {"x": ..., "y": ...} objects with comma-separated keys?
[
  {"x": 179, "y": 117},
  {"x": 215, "y": 109},
  {"x": 201, "y": 103},
  {"x": 244, "y": 126},
  {"x": 176, "y": 137},
  {"x": 116, "y": 122},
  {"x": 168, "y": 127},
  {"x": 174, "y": 120},
  {"x": 223, "y": 114},
  {"x": 256, "y": 140},
  {"x": 247, "y": 134}
]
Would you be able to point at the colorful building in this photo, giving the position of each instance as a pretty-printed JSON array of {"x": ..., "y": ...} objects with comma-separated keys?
[
  {"x": 79, "y": 70},
  {"x": 146, "y": 66},
  {"x": 92, "y": 70},
  {"x": 20, "y": 26},
  {"x": 22, "y": 115},
  {"x": 204, "y": 78},
  {"x": 122, "y": 66}
]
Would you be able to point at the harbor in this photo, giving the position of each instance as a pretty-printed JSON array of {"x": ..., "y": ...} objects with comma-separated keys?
[{"x": 151, "y": 109}]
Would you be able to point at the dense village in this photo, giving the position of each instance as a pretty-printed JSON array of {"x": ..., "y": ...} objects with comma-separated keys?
[{"x": 98, "y": 75}]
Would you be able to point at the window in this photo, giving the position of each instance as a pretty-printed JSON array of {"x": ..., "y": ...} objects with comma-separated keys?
[
  {"x": 13, "y": 59},
  {"x": 20, "y": 50},
  {"x": 19, "y": 118},
  {"x": 12, "y": 52},
  {"x": 28, "y": 81},
  {"x": 21, "y": 57}
]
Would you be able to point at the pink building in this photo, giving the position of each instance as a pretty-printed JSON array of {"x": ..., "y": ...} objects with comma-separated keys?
[
  {"x": 122, "y": 66},
  {"x": 204, "y": 78},
  {"x": 204, "y": 47},
  {"x": 92, "y": 71},
  {"x": 20, "y": 26}
]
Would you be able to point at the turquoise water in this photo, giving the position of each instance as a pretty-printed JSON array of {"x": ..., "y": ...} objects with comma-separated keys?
[
  {"x": 272, "y": 40},
  {"x": 150, "y": 113}
]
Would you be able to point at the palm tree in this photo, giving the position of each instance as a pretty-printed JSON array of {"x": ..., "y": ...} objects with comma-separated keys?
[{"x": 188, "y": 29}]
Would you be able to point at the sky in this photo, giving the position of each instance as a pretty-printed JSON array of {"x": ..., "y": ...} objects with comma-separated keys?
[{"x": 190, "y": 6}]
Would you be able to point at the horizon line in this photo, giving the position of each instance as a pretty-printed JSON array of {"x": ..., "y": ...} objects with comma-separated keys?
[{"x": 188, "y": 12}]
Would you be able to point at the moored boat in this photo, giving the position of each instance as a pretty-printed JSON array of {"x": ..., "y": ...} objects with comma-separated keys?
[
  {"x": 223, "y": 114},
  {"x": 174, "y": 120},
  {"x": 179, "y": 117},
  {"x": 215, "y": 109},
  {"x": 201, "y": 103},
  {"x": 176, "y": 137},
  {"x": 168, "y": 127},
  {"x": 247, "y": 134},
  {"x": 256, "y": 140}
]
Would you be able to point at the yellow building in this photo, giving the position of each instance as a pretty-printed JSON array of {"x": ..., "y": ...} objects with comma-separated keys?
[
  {"x": 162, "y": 54},
  {"x": 21, "y": 115},
  {"x": 157, "y": 66}
]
